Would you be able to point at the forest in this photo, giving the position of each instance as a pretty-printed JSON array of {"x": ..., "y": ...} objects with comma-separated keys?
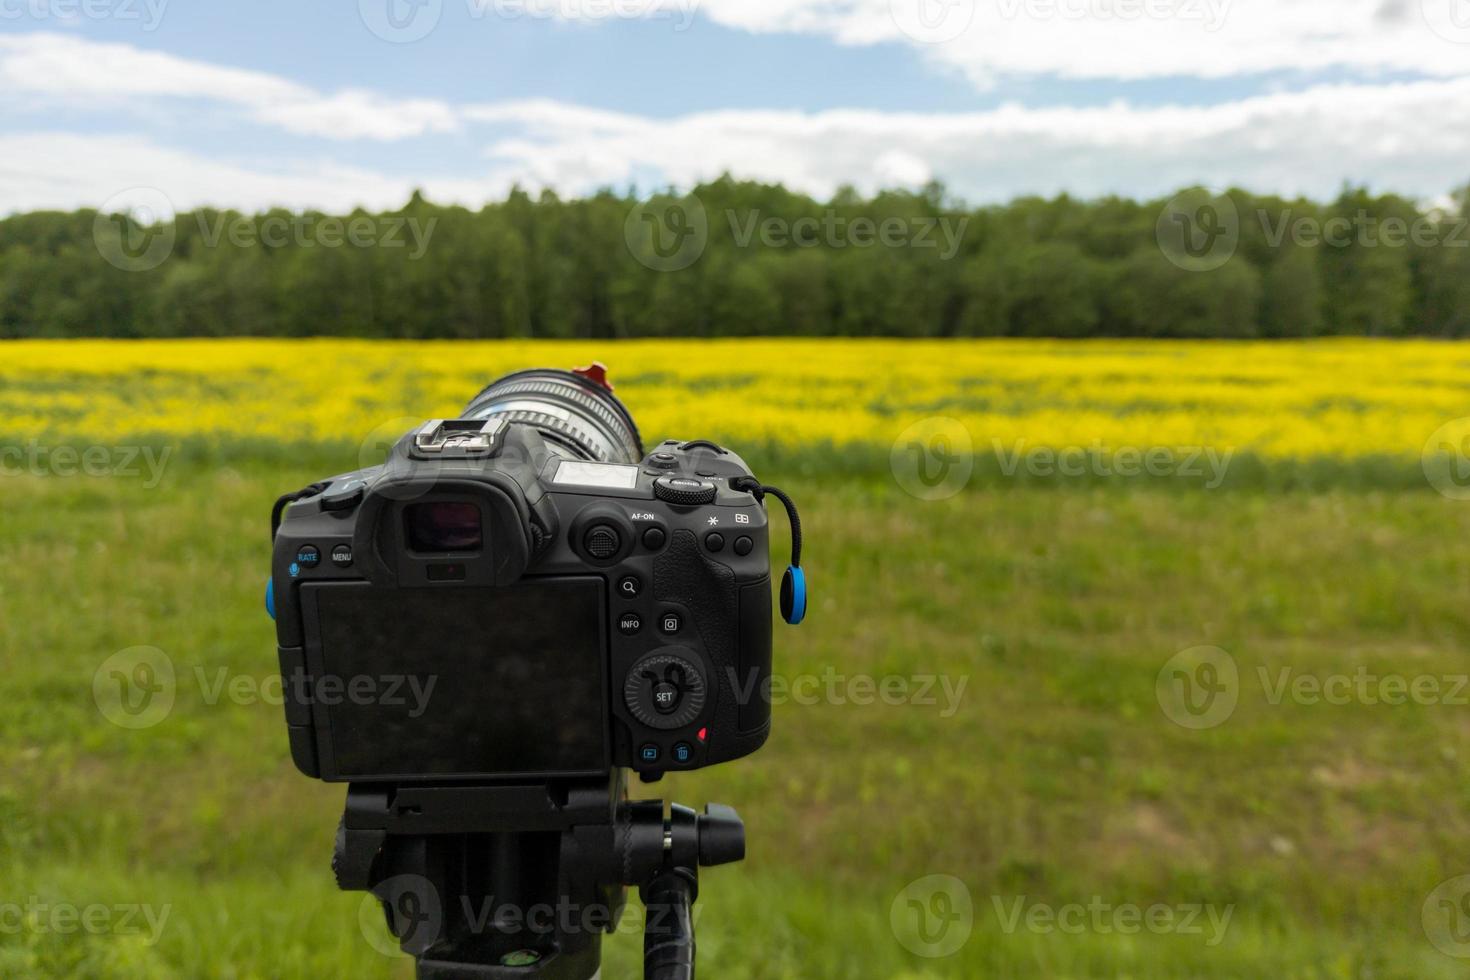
[{"x": 737, "y": 258}]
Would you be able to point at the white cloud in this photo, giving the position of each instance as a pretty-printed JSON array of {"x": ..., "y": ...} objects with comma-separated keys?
[
  {"x": 988, "y": 40},
  {"x": 88, "y": 74},
  {"x": 1410, "y": 137},
  {"x": 64, "y": 171}
]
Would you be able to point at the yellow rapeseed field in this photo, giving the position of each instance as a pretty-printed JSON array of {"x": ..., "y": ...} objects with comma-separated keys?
[{"x": 1336, "y": 398}]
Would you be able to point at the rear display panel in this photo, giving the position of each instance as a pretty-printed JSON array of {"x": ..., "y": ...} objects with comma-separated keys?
[{"x": 459, "y": 682}]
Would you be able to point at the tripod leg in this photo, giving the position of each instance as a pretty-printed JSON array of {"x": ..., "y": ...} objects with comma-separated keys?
[{"x": 668, "y": 934}]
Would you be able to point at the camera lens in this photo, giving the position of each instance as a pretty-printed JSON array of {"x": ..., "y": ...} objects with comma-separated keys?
[{"x": 573, "y": 413}]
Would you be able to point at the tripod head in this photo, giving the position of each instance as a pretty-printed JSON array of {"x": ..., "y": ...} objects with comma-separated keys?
[{"x": 492, "y": 882}]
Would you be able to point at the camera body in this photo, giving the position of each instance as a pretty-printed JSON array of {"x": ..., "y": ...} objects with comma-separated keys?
[{"x": 486, "y": 605}]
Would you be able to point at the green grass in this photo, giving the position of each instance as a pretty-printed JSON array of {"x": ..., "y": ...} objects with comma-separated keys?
[{"x": 1058, "y": 777}]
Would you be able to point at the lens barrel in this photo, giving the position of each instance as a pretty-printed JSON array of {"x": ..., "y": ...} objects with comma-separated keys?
[{"x": 575, "y": 414}]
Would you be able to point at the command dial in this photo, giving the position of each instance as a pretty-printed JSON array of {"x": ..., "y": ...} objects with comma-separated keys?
[
  {"x": 664, "y": 691},
  {"x": 684, "y": 490}
]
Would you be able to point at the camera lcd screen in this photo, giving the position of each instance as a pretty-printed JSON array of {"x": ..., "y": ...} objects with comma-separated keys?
[{"x": 463, "y": 681}]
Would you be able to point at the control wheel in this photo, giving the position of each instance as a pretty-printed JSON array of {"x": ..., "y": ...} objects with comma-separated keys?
[{"x": 664, "y": 691}]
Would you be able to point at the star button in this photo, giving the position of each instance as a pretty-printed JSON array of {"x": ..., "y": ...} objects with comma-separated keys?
[{"x": 713, "y": 521}]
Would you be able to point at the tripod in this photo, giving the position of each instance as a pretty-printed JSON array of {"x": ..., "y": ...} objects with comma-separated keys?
[{"x": 501, "y": 881}]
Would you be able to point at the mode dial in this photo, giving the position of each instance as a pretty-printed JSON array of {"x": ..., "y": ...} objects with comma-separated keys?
[{"x": 684, "y": 490}]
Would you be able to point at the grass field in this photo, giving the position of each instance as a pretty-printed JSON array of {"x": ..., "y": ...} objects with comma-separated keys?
[{"x": 1311, "y": 836}]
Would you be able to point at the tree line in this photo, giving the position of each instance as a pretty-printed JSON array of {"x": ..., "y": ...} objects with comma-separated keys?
[{"x": 738, "y": 258}]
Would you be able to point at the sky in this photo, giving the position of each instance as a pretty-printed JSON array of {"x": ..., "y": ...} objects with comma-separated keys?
[{"x": 332, "y": 104}]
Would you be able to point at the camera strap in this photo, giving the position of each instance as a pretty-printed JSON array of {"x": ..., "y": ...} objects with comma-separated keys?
[{"x": 793, "y": 583}]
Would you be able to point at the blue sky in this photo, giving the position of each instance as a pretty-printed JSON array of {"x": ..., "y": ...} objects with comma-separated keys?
[{"x": 341, "y": 102}]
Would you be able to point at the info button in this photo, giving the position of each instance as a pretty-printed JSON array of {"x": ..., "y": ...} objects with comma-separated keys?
[{"x": 629, "y": 623}]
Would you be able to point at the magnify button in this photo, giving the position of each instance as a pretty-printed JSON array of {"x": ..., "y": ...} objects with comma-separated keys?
[{"x": 629, "y": 586}]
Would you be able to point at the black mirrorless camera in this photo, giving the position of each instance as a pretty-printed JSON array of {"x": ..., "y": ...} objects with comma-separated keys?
[{"x": 523, "y": 593}]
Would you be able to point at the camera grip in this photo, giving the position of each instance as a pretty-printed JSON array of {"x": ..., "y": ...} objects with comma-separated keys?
[{"x": 734, "y": 623}]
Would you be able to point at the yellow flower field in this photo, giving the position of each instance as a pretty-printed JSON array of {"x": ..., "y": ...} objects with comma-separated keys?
[{"x": 1338, "y": 398}]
